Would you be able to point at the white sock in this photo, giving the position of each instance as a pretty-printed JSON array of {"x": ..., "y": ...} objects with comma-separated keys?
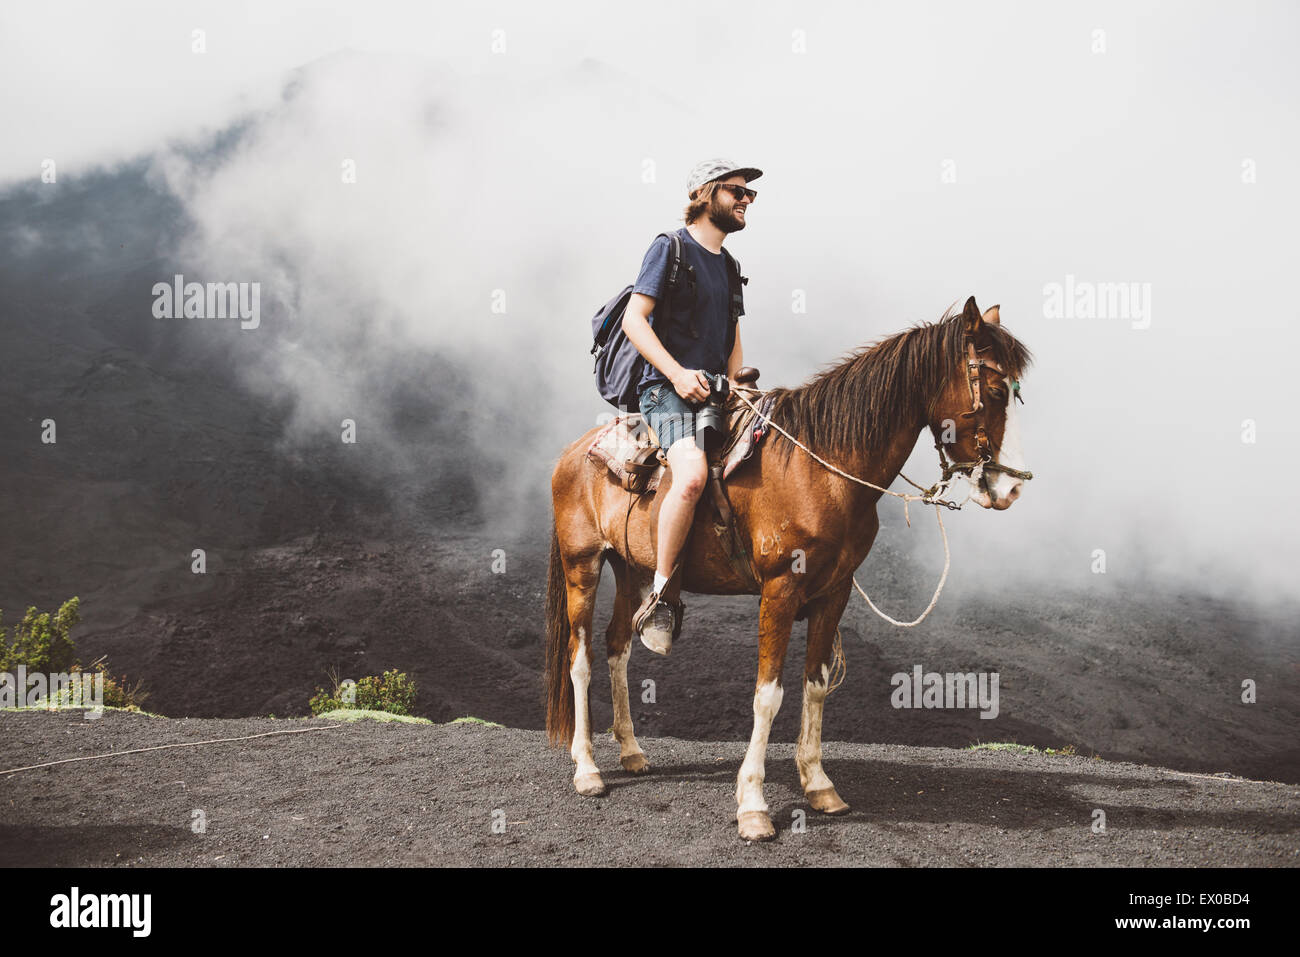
[{"x": 660, "y": 582}]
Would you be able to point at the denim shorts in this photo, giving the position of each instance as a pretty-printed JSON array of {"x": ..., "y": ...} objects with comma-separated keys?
[{"x": 671, "y": 416}]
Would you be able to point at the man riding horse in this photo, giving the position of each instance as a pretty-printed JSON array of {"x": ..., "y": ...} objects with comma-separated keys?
[
  {"x": 803, "y": 507},
  {"x": 700, "y": 336}
]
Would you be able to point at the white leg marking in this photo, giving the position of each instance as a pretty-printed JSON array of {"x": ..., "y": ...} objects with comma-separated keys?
[
  {"x": 622, "y": 711},
  {"x": 580, "y": 674},
  {"x": 749, "y": 786},
  {"x": 809, "y": 753},
  {"x": 1011, "y": 453}
]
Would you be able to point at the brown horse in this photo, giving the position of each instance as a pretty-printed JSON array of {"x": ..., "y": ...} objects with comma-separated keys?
[{"x": 806, "y": 528}]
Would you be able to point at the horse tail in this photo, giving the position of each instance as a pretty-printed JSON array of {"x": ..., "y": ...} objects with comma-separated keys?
[{"x": 559, "y": 688}]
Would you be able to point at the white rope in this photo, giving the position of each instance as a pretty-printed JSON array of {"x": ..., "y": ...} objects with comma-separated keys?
[
  {"x": 907, "y": 498},
  {"x": 164, "y": 747},
  {"x": 947, "y": 560},
  {"x": 839, "y": 664}
]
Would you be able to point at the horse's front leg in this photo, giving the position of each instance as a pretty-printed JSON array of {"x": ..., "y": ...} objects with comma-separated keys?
[
  {"x": 823, "y": 621},
  {"x": 776, "y": 617}
]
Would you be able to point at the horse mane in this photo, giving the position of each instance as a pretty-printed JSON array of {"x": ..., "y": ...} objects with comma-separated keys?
[{"x": 854, "y": 407}]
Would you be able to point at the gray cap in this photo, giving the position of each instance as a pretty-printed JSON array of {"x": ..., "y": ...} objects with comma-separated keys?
[{"x": 712, "y": 169}]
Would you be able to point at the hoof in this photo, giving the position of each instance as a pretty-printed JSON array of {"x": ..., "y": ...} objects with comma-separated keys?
[
  {"x": 589, "y": 785},
  {"x": 755, "y": 826},
  {"x": 636, "y": 763},
  {"x": 827, "y": 801}
]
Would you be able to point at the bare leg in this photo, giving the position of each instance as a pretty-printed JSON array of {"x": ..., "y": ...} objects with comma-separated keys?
[{"x": 690, "y": 470}]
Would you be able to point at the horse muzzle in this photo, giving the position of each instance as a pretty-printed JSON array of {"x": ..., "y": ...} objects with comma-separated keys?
[{"x": 999, "y": 487}]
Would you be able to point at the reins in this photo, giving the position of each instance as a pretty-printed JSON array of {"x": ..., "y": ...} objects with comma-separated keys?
[
  {"x": 973, "y": 472},
  {"x": 929, "y": 497}
]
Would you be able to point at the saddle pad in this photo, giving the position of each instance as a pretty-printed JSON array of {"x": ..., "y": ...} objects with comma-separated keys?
[
  {"x": 619, "y": 441},
  {"x": 623, "y": 437}
]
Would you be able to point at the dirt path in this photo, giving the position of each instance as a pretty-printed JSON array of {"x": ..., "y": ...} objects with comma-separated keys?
[
  {"x": 372, "y": 794},
  {"x": 1151, "y": 677}
]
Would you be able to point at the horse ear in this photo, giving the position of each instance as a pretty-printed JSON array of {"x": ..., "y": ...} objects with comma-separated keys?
[
  {"x": 971, "y": 315},
  {"x": 991, "y": 316}
]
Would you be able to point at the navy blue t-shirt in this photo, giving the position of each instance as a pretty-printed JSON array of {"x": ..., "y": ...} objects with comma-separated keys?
[{"x": 709, "y": 312}]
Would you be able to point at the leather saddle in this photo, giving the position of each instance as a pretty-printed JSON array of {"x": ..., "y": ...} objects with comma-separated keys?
[{"x": 630, "y": 449}]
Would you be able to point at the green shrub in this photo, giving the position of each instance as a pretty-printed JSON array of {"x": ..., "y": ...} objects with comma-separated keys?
[
  {"x": 117, "y": 693},
  {"x": 323, "y": 701},
  {"x": 394, "y": 692},
  {"x": 42, "y": 644}
]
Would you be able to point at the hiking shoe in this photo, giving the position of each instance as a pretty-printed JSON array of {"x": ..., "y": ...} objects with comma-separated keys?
[{"x": 658, "y": 622}]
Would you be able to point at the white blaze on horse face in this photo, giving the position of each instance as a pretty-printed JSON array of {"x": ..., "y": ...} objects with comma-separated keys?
[
  {"x": 749, "y": 786},
  {"x": 1006, "y": 488}
]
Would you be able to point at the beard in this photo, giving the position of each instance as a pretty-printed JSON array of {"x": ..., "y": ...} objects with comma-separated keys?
[{"x": 725, "y": 219}]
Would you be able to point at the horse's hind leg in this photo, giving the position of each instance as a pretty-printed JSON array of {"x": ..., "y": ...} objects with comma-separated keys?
[
  {"x": 618, "y": 648},
  {"x": 582, "y": 577},
  {"x": 823, "y": 621}
]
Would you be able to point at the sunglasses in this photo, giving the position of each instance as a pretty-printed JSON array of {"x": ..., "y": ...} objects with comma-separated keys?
[{"x": 739, "y": 192}]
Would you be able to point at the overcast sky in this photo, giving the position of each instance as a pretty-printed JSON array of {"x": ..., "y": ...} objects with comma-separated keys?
[{"x": 914, "y": 154}]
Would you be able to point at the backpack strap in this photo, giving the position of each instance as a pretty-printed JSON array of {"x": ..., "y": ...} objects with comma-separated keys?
[
  {"x": 678, "y": 271},
  {"x": 737, "y": 281},
  {"x": 674, "y": 259}
]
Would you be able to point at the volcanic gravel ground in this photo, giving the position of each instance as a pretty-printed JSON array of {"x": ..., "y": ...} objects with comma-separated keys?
[
  {"x": 363, "y": 558},
  {"x": 1151, "y": 678},
  {"x": 372, "y": 794}
]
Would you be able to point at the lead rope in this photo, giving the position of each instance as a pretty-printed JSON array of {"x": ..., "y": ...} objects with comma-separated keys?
[
  {"x": 164, "y": 747},
  {"x": 839, "y": 664},
  {"x": 928, "y": 497}
]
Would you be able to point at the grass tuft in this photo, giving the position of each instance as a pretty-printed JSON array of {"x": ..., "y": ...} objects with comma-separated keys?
[
  {"x": 52, "y": 706},
  {"x": 1003, "y": 746},
  {"x": 358, "y": 714},
  {"x": 468, "y": 719}
]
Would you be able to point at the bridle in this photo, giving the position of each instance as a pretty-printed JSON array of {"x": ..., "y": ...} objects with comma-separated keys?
[
  {"x": 973, "y": 471},
  {"x": 983, "y": 447}
]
